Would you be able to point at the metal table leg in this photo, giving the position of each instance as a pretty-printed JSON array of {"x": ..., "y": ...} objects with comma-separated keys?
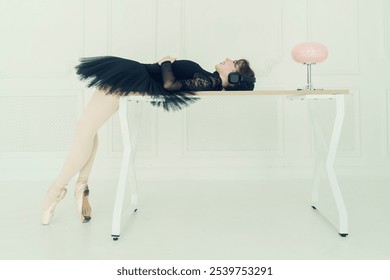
[
  {"x": 327, "y": 160},
  {"x": 127, "y": 163}
]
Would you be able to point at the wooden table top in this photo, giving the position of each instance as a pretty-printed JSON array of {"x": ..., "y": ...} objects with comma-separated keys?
[{"x": 274, "y": 92}]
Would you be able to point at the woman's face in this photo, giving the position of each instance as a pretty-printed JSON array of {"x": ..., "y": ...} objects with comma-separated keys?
[{"x": 225, "y": 67}]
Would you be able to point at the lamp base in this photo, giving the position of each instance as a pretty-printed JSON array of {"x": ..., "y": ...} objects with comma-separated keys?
[{"x": 309, "y": 84}]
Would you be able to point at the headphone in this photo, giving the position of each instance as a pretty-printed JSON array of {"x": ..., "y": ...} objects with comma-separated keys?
[{"x": 236, "y": 78}]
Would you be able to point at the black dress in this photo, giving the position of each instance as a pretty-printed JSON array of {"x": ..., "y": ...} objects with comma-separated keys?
[{"x": 121, "y": 76}]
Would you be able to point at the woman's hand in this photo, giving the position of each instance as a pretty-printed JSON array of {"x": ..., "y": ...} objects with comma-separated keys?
[{"x": 166, "y": 58}]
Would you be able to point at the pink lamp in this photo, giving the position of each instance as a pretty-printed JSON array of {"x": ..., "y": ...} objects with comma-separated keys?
[{"x": 309, "y": 53}]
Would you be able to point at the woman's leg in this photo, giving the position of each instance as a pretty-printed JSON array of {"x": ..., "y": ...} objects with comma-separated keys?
[
  {"x": 86, "y": 169},
  {"x": 81, "y": 156},
  {"x": 81, "y": 189},
  {"x": 99, "y": 109}
]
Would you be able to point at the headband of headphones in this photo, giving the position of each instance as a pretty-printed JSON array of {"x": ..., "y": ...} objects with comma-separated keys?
[{"x": 235, "y": 78}]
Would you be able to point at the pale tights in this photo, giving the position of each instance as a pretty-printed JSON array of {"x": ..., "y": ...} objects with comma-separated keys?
[{"x": 82, "y": 154}]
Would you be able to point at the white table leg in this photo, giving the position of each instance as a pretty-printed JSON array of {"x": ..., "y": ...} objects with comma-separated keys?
[
  {"x": 127, "y": 164},
  {"x": 136, "y": 132},
  {"x": 329, "y": 164},
  {"x": 321, "y": 150},
  {"x": 338, "y": 123}
]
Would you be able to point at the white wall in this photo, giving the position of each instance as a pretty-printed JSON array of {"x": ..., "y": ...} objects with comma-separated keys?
[{"x": 220, "y": 138}]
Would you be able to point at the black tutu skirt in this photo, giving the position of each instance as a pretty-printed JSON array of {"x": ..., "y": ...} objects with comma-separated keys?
[{"x": 120, "y": 76}]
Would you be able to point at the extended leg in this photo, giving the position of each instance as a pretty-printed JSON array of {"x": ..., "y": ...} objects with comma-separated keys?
[
  {"x": 98, "y": 110},
  {"x": 86, "y": 169},
  {"x": 81, "y": 188}
]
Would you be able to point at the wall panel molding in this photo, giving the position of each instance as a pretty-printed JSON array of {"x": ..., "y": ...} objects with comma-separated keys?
[
  {"x": 256, "y": 28},
  {"x": 260, "y": 132},
  {"x": 387, "y": 122},
  {"x": 132, "y": 29},
  {"x": 35, "y": 38},
  {"x": 342, "y": 40},
  {"x": 264, "y": 19},
  {"x": 386, "y": 22},
  {"x": 30, "y": 122}
]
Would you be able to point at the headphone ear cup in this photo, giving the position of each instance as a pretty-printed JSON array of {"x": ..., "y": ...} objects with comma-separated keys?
[{"x": 234, "y": 78}]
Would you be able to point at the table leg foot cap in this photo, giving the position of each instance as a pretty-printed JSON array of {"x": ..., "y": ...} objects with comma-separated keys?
[{"x": 115, "y": 237}]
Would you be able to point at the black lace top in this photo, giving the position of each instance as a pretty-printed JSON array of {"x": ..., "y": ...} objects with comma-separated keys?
[{"x": 184, "y": 75}]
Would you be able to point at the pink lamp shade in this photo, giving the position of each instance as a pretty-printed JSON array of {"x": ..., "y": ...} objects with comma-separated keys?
[{"x": 310, "y": 52}]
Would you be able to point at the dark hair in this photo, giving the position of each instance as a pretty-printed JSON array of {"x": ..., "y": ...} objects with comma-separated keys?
[{"x": 245, "y": 70}]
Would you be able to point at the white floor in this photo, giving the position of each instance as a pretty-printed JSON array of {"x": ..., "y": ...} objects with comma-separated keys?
[{"x": 199, "y": 220}]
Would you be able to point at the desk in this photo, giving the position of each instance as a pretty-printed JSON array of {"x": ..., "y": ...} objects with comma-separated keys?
[{"x": 325, "y": 159}]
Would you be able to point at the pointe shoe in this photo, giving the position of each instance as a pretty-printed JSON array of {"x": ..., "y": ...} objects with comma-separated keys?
[
  {"x": 81, "y": 193},
  {"x": 53, "y": 197}
]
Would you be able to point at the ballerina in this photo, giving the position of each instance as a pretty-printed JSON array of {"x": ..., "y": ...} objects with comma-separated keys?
[{"x": 172, "y": 83}]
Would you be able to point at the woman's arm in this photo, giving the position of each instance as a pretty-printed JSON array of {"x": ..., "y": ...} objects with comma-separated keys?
[
  {"x": 170, "y": 82},
  {"x": 168, "y": 77},
  {"x": 198, "y": 82}
]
